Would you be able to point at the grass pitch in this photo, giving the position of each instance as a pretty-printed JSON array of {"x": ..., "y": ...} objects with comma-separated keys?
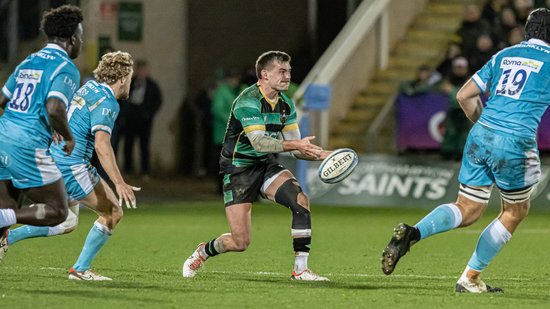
[{"x": 146, "y": 252}]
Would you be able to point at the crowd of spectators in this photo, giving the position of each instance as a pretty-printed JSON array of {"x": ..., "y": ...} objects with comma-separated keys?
[{"x": 484, "y": 30}]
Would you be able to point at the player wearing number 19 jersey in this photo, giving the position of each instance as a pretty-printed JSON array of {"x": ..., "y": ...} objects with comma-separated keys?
[
  {"x": 34, "y": 100},
  {"x": 501, "y": 150}
]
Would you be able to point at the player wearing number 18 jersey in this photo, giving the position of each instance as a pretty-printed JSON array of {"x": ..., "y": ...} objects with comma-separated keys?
[
  {"x": 501, "y": 150},
  {"x": 34, "y": 100}
]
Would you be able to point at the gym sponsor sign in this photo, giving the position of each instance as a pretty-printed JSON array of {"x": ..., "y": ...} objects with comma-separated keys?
[{"x": 380, "y": 180}]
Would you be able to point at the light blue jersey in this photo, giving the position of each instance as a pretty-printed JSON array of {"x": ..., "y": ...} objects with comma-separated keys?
[
  {"x": 518, "y": 78},
  {"x": 93, "y": 108},
  {"x": 25, "y": 131},
  {"x": 502, "y": 147},
  {"x": 48, "y": 73}
]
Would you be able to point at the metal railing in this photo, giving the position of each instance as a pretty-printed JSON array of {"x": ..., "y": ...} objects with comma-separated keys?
[{"x": 368, "y": 15}]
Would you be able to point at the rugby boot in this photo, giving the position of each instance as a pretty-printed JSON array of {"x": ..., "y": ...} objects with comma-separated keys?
[
  {"x": 404, "y": 236},
  {"x": 3, "y": 241},
  {"x": 307, "y": 275},
  {"x": 87, "y": 275},
  {"x": 465, "y": 285},
  {"x": 194, "y": 263}
]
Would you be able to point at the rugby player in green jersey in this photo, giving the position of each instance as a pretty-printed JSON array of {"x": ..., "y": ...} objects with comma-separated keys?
[{"x": 260, "y": 115}]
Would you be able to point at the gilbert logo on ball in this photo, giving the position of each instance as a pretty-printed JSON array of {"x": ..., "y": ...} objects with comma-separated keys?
[{"x": 338, "y": 165}]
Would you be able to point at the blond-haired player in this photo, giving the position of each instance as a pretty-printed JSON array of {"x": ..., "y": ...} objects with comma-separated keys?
[{"x": 92, "y": 114}]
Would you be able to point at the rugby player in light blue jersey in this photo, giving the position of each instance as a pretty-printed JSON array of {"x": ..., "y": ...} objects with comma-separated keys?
[
  {"x": 501, "y": 150},
  {"x": 92, "y": 115},
  {"x": 34, "y": 100}
]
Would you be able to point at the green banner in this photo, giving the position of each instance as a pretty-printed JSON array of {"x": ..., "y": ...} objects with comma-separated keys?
[
  {"x": 401, "y": 182},
  {"x": 130, "y": 21}
]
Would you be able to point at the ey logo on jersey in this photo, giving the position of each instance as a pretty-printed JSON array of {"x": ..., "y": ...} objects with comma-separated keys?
[
  {"x": 108, "y": 112},
  {"x": 4, "y": 160},
  {"x": 69, "y": 82}
]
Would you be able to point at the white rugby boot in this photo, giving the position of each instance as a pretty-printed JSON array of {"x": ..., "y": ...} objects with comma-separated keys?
[
  {"x": 307, "y": 275},
  {"x": 87, "y": 275},
  {"x": 467, "y": 285},
  {"x": 194, "y": 263}
]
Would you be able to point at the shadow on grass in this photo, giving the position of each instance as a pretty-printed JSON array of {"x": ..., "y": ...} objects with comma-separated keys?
[{"x": 93, "y": 295}]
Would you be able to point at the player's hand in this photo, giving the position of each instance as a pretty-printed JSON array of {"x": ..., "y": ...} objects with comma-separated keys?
[
  {"x": 68, "y": 147},
  {"x": 57, "y": 138},
  {"x": 125, "y": 193},
  {"x": 305, "y": 147}
]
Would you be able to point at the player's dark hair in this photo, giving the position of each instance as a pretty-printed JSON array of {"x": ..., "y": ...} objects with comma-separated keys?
[
  {"x": 538, "y": 25},
  {"x": 61, "y": 22},
  {"x": 266, "y": 59}
]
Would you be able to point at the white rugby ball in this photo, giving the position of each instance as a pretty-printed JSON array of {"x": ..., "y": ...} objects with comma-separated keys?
[{"x": 338, "y": 165}]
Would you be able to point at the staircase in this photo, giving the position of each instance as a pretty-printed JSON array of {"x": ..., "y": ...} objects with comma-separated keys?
[{"x": 424, "y": 43}]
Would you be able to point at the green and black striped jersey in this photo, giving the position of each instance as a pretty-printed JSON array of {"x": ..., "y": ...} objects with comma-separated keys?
[{"x": 252, "y": 111}]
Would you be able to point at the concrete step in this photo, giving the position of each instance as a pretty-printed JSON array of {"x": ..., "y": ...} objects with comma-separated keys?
[
  {"x": 438, "y": 23},
  {"x": 425, "y": 35},
  {"x": 418, "y": 50},
  {"x": 425, "y": 43},
  {"x": 379, "y": 87},
  {"x": 440, "y": 8},
  {"x": 368, "y": 101}
]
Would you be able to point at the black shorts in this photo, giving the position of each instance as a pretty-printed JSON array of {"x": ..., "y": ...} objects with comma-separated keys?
[{"x": 244, "y": 185}]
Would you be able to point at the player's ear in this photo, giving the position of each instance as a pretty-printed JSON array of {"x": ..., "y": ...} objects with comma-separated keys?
[{"x": 72, "y": 40}]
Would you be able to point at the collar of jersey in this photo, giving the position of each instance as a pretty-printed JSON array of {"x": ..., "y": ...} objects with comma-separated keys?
[
  {"x": 55, "y": 46},
  {"x": 267, "y": 99},
  {"x": 538, "y": 42},
  {"x": 108, "y": 87}
]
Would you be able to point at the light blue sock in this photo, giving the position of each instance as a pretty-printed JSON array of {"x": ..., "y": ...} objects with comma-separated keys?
[
  {"x": 489, "y": 245},
  {"x": 94, "y": 242},
  {"x": 443, "y": 218},
  {"x": 27, "y": 231}
]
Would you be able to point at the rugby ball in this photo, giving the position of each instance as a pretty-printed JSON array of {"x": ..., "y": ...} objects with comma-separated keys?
[{"x": 338, "y": 165}]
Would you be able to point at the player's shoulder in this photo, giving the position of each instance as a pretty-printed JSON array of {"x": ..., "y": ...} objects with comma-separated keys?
[
  {"x": 249, "y": 97},
  {"x": 91, "y": 92},
  {"x": 531, "y": 48},
  {"x": 287, "y": 99}
]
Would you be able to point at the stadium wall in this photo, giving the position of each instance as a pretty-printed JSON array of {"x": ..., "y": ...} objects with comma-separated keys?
[{"x": 163, "y": 43}]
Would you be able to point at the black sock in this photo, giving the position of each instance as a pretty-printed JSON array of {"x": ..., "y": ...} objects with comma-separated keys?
[
  {"x": 415, "y": 236},
  {"x": 209, "y": 248},
  {"x": 301, "y": 244}
]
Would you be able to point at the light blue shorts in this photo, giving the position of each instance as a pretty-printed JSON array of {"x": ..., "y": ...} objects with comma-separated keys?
[
  {"x": 80, "y": 180},
  {"x": 27, "y": 167},
  {"x": 491, "y": 156}
]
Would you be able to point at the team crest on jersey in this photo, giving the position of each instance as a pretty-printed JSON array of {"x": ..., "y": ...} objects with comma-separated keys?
[{"x": 283, "y": 117}]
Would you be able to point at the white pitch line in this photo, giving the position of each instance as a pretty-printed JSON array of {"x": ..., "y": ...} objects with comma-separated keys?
[
  {"x": 267, "y": 273},
  {"x": 357, "y": 275}
]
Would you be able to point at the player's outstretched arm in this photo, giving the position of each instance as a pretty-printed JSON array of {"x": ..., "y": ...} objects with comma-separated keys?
[
  {"x": 300, "y": 146},
  {"x": 107, "y": 159},
  {"x": 311, "y": 154},
  {"x": 469, "y": 100},
  {"x": 57, "y": 114}
]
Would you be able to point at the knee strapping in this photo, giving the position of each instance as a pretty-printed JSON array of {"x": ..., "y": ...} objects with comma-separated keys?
[
  {"x": 288, "y": 195},
  {"x": 516, "y": 196}
]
